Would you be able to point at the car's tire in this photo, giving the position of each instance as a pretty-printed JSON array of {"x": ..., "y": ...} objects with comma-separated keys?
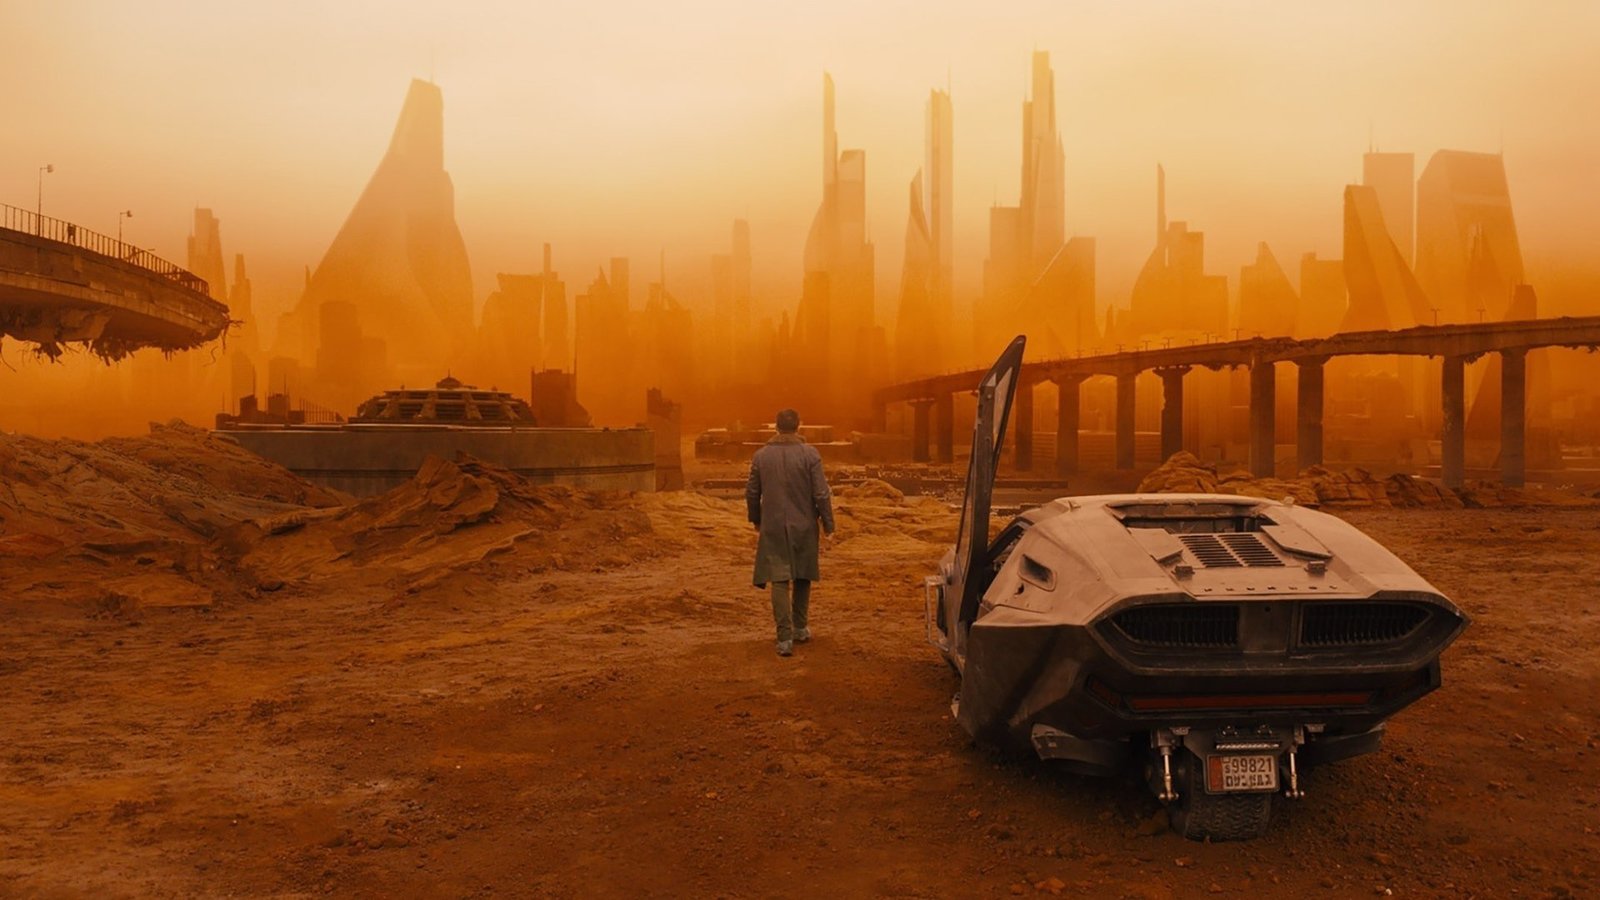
[{"x": 1202, "y": 816}]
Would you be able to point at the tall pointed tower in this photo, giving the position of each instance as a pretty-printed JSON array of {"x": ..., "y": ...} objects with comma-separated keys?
[{"x": 399, "y": 260}]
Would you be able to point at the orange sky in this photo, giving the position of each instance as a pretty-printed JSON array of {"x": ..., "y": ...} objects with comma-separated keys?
[{"x": 631, "y": 128}]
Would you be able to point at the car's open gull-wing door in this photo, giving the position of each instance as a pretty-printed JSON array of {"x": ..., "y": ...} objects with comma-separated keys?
[{"x": 959, "y": 605}]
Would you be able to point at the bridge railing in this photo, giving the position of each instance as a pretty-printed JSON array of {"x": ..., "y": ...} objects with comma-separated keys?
[{"x": 27, "y": 221}]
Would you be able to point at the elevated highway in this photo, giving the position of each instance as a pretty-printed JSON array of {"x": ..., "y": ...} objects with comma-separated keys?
[
  {"x": 932, "y": 399},
  {"x": 61, "y": 284}
]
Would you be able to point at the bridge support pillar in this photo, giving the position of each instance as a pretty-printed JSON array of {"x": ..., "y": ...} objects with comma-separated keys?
[
  {"x": 1513, "y": 417},
  {"x": 1022, "y": 419},
  {"x": 919, "y": 429},
  {"x": 1067, "y": 414},
  {"x": 1171, "y": 411},
  {"x": 1263, "y": 407},
  {"x": 1125, "y": 409},
  {"x": 1453, "y": 436},
  {"x": 1308, "y": 438},
  {"x": 944, "y": 427}
]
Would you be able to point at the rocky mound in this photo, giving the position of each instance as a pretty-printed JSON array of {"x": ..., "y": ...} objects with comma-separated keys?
[
  {"x": 1352, "y": 488},
  {"x": 129, "y": 521},
  {"x": 182, "y": 517},
  {"x": 451, "y": 518}
]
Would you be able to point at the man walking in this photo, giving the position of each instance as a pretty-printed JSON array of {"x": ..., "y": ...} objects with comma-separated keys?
[{"x": 786, "y": 496}]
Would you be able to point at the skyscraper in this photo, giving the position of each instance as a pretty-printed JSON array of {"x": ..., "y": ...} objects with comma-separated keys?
[
  {"x": 940, "y": 202},
  {"x": 915, "y": 337},
  {"x": 205, "y": 253},
  {"x": 1043, "y": 168},
  {"x": 1025, "y": 238},
  {"x": 606, "y": 339},
  {"x": 1323, "y": 298},
  {"x": 1383, "y": 292},
  {"x": 740, "y": 262},
  {"x": 836, "y": 328},
  {"x": 1268, "y": 305},
  {"x": 1173, "y": 295},
  {"x": 1469, "y": 258},
  {"x": 1392, "y": 175},
  {"x": 557, "y": 350},
  {"x": 399, "y": 259},
  {"x": 1057, "y": 308}
]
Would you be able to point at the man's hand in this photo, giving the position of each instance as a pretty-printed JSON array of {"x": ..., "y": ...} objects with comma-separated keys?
[{"x": 827, "y": 541}]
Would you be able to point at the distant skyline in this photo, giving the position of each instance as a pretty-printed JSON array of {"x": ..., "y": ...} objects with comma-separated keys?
[{"x": 629, "y": 129}]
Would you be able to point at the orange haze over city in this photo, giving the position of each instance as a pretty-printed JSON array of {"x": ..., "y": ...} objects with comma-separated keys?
[{"x": 642, "y": 130}]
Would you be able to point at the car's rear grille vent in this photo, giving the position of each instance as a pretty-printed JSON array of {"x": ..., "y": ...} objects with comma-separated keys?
[
  {"x": 1349, "y": 624},
  {"x": 1181, "y": 625},
  {"x": 1229, "y": 549},
  {"x": 1249, "y": 549},
  {"x": 1210, "y": 551}
]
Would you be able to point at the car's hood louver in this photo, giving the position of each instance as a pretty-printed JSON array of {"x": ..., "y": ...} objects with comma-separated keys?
[{"x": 1233, "y": 549}]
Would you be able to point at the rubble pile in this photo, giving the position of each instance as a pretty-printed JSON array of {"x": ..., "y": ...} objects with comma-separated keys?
[
  {"x": 452, "y": 517},
  {"x": 1353, "y": 488},
  {"x": 130, "y": 521},
  {"x": 183, "y": 517}
]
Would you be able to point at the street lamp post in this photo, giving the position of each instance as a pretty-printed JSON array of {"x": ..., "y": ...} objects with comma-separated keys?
[
  {"x": 125, "y": 214},
  {"x": 38, "y": 210}
]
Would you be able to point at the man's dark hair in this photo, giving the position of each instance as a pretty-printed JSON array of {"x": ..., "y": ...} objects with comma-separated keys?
[{"x": 788, "y": 421}]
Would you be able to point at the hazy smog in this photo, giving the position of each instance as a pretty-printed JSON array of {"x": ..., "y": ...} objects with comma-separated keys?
[
  {"x": 640, "y": 133},
  {"x": 728, "y": 449}
]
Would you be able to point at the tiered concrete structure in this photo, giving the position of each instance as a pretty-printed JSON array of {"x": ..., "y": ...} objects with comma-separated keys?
[{"x": 394, "y": 432}]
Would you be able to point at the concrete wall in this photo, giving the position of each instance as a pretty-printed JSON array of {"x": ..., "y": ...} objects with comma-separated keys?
[{"x": 367, "y": 460}]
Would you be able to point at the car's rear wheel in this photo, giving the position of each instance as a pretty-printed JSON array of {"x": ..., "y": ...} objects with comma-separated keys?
[{"x": 1200, "y": 816}]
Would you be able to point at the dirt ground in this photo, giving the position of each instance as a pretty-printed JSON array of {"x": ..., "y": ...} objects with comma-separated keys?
[{"x": 590, "y": 706}]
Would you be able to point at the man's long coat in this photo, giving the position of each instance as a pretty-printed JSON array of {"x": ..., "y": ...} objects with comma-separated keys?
[{"x": 786, "y": 496}]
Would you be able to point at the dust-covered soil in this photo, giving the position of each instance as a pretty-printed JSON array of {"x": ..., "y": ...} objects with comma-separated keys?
[{"x": 476, "y": 687}]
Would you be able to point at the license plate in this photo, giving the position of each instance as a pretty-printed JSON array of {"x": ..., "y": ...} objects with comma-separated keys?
[{"x": 1230, "y": 774}]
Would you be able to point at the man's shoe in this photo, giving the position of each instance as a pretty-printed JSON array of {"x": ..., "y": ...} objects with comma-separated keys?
[
  {"x": 802, "y": 636},
  {"x": 785, "y": 648}
]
